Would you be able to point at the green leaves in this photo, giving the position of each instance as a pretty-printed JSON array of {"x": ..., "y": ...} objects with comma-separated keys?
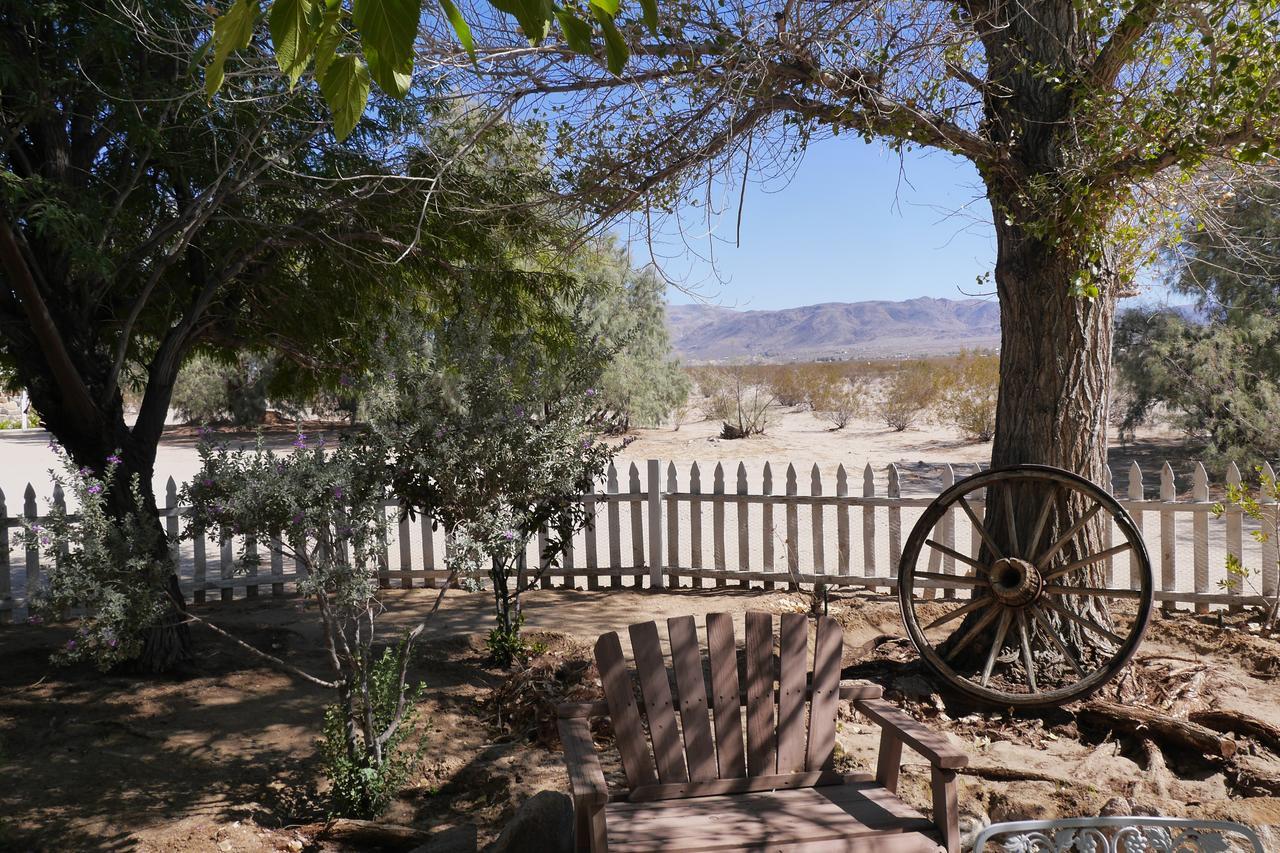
[
  {"x": 291, "y": 36},
  {"x": 387, "y": 30},
  {"x": 577, "y": 32},
  {"x": 615, "y": 46},
  {"x": 231, "y": 31},
  {"x": 460, "y": 26},
  {"x": 345, "y": 86}
]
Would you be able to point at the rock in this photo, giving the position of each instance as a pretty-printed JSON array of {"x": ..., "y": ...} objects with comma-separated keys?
[
  {"x": 450, "y": 839},
  {"x": 542, "y": 824},
  {"x": 1116, "y": 807}
]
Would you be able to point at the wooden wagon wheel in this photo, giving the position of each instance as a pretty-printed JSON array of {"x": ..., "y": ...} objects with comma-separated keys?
[{"x": 1034, "y": 611}]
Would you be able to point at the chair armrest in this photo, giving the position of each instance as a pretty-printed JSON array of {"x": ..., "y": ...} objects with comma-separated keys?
[
  {"x": 586, "y": 777},
  {"x": 933, "y": 746}
]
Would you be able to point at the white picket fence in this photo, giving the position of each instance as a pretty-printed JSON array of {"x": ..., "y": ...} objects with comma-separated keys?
[{"x": 670, "y": 527}]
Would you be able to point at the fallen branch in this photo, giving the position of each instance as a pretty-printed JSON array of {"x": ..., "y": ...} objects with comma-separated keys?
[
  {"x": 368, "y": 834},
  {"x": 1157, "y": 770},
  {"x": 996, "y": 773},
  {"x": 1253, "y": 776},
  {"x": 271, "y": 659},
  {"x": 1242, "y": 724},
  {"x": 1157, "y": 726}
]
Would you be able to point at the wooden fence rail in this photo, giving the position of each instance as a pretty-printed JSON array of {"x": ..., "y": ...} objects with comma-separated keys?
[{"x": 750, "y": 527}]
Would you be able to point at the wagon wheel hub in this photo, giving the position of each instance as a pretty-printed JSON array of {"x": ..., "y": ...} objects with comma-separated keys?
[{"x": 1016, "y": 582}]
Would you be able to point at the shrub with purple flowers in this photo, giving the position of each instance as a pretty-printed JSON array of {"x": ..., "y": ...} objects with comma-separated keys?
[
  {"x": 106, "y": 578},
  {"x": 324, "y": 508}
]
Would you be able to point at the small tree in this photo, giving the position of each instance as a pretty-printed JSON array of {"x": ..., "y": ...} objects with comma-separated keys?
[
  {"x": 744, "y": 406},
  {"x": 495, "y": 448},
  {"x": 324, "y": 509},
  {"x": 967, "y": 399},
  {"x": 838, "y": 401},
  {"x": 906, "y": 395}
]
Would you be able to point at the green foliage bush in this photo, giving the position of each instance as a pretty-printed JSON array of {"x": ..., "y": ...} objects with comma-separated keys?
[
  {"x": 492, "y": 433},
  {"x": 211, "y": 391},
  {"x": 360, "y": 787},
  {"x": 967, "y": 394},
  {"x": 113, "y": 570},
  {"x": 838, "y": 400},
  {"x": 907, "y": 394},
  {"x": 743, "y": 402}
]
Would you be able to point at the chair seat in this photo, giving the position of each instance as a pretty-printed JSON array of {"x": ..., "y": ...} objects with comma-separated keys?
[{"x": 857, "y": 817}]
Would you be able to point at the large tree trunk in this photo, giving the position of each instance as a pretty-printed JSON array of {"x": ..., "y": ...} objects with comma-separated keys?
[{"x": 1055, "y": 359}]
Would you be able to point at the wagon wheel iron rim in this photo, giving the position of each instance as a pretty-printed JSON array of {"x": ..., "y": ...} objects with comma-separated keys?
[{"x": 1012, "y": 615}]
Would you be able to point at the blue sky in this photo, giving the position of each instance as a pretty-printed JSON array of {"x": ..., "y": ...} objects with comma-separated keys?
[{"x": 855, "y": 222}]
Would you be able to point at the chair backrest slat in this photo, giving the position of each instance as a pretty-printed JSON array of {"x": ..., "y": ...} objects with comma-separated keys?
[
  {"x": 827, "y": 654},
  {"x": 623, "y": 712},
  {"x": 761, "y": 711},
  {"x": 726, "y": 695},
  {"x": 793, "y": 669},
  {"x": 691, "y": 686},
  {"x": 659, "y": 707}
]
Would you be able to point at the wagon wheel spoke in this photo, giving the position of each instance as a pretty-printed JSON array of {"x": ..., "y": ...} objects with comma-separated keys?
[
  {"x": 1041, "y": 520},
  {"x": 996, "y": 644},
  {"x": 977, "y": 628},
  {"x": 1087, "y": 561},
  {"x": 1010, "y": 519},
  {"x": 1025, "y": 641},
  {"x": 1100, "y": 592},
  {"x": 972, "y": 605},
  {"x": 1084, "y": 621},
  {"x": 952, "y": 552},
  {"x": 1043, "y": 560},
  {"x": 957, "y": 580},
  {"x": 982, "y": 531},
  {"x": 1058, "y": 643}
]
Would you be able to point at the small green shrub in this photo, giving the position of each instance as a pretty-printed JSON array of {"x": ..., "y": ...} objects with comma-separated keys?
[
  {"x": 968, "y": 395},
  {"x": 361, "y": 786},
  {"x": 907, "y": 394}
]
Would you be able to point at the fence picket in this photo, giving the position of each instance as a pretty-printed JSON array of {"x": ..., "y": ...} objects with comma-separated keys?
[
  {"x": 744, "y": 527},
  {"x": 171, "y": 517},
  {"x": 894, "y": 490},
  {"x": 816, "y": 523},
  {"x": 1235, "y": 527},
  {"x": 842, "y": 522},
  {"x": 766, "y": 524},
  {"x": 226, "y": 565},
  {"x": 637, "y": 524},
  {"x": 673, "y": 527},
  {"x": 544, "y": 562},
  {"x": 949, "y": 530},
  {"x": 793, "y": 528},
  {"x": 59, "y": 503},
  {"x": 695, "y": 524},
  {"x": 406, "y": 551},
  {"x": 615, "y": 526},
  {"x": 1137, "y": 493},
  {"x": 6, "y": 578},
  {"x": 717, "y": 522},
  {"x": 654, "y": 501},
  {"x": 1200, "y": 532},
  {"x": 1168, "y": 544},
  {"x": 277, "y": 565},
  {"x": 868, "y": 524},
  {"x": 589, "y": 537},
  {"x": 32, "y": 549}
]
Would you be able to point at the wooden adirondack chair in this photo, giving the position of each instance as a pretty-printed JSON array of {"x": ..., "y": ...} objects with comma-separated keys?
[{"x": 698, "y": 789}]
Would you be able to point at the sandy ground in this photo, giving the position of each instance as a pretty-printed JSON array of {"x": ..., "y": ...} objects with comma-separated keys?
[{"x": 221, "y": 756}]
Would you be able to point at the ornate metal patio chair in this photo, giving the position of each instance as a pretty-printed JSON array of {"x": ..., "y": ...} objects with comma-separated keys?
[
  {"x": 691, "y": 784},
  {"x": 1118, "y": 835}
]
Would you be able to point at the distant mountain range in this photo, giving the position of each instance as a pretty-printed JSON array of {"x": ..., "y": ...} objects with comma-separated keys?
[{"x": 924, "y": 326}]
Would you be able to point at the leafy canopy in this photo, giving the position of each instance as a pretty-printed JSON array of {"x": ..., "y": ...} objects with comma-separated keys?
[{"x": 349, "y": 44}]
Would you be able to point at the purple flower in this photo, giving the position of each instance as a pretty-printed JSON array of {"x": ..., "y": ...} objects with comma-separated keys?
[
  {"x": 297, "y": 518},
  {"x": 112, "y": 642},
  {"x": 71, "y": 645},
  {"x": 45, "y": 540},
  {"x": 344, "y": 380},
  {"x": 95, "y": 488},
  {"x": 338, "y": 492},
  {"x": 204, "y": 431},
  {"x": 301, "y": 441},
  {"x": 591, "y": 392},
  {"x": 206, "y": 482},
  {"x": 519, "y": 411},
  {"x": 113, "y": 459},
  {"x": 586, "y": 443},
  {"x": 35, "y": 528},
  {"x": 509, "y": 535},
  {"x": 86, "y": 471}
]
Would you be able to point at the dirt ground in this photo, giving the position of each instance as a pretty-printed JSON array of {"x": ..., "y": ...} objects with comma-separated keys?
[{"x": 222, "y": 756}]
